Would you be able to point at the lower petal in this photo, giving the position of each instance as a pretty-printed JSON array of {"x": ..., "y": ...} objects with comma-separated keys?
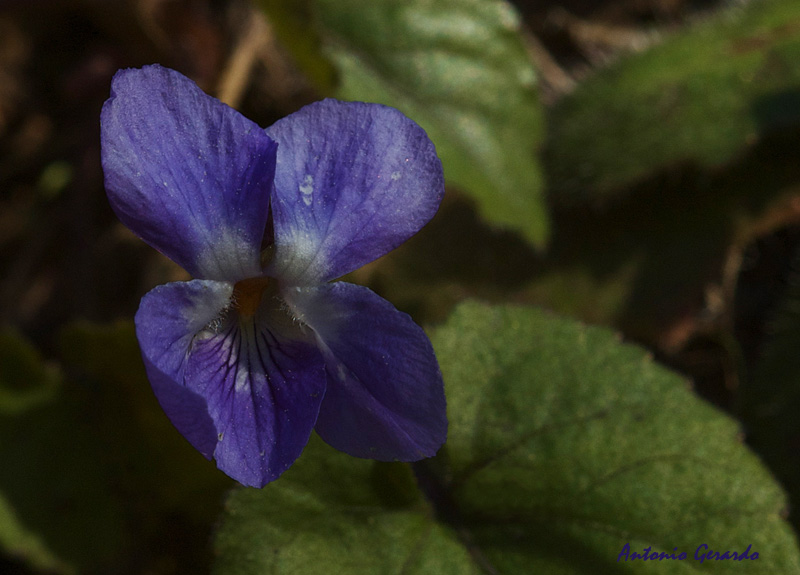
[
  {"x": 263, "y": 392},
  {"x": 246, "y": 390},
  {"x": 169, "y": 316},
  {"x": 385, "y": 396},
  {"x": 186, "y": 410}
]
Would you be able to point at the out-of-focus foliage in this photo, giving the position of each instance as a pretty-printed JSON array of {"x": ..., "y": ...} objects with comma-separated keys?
[
  {"x": 564, "y": 445},
  {"x": 664, "y": 166},
  {"x": 166, "y": 472},
  {"x": 94, "y": 477},
  {"x": 26, "y": 379},
  {"x": 56, "y": 508},
  {"x": 293, "y": 23},
  {"x": 25, "y": 383},
  {"x": 350, "y": 522},
  {"x": 699, "y": 97},
  {"x": 657, "y": 261}
]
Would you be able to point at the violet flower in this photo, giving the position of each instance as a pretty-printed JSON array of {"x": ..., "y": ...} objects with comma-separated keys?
[{"x": 260, "y": 349}]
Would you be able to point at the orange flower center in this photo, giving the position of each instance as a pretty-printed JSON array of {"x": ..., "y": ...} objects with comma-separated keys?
[{"x": 247, "y": 295}]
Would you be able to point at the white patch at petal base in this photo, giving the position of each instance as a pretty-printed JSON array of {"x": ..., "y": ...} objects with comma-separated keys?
[
  {"x": 313, "y": 307},
  {"x": 230, "y": 257},
  {"x": 207, "y": 305},
  {"x": 299, "y": 258}
]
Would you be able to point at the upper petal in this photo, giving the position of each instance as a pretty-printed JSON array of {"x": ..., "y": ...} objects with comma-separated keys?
[
  {"x": 189, "y": 175},
  {"x": 246, "y": 390},
  {"x": 353, "y": 182},
  {"x": 385, "y": 396}
]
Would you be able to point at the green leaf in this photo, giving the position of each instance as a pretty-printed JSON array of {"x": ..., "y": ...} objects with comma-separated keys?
[
  {"x": 700, "y": 97},
  {"x": 57, "y": 511},
  {"x": 25, "y": 383},
  {"x": 166, "y": 485},
  {"x": 564, "y": 446},
  {"x": 25, "y": 379},
  {"x": 158, "y": 461},
  {"x": 459, "y": 68},
  {"x": 94, "y": 476},
  {"x": 330, "y": 514},
  {"x": 20, "y": 542}
]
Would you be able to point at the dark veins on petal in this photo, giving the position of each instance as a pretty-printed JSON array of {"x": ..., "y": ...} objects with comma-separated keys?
[{"x": 263, "y": 383}]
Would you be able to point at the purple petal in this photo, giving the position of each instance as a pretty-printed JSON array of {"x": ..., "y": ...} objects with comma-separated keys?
[
  {"x": 353, "y": 182},
  {"x": 168, "y": 319},
  {"x": 385, "y": 397},
  {"x": 189, "y": 175},
  {"x": 186, "y": 410},
  {"x": 245, "y": 389}
]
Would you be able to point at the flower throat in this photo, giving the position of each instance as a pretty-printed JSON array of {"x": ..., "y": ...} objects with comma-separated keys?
[{"x": 247, "y": 295}]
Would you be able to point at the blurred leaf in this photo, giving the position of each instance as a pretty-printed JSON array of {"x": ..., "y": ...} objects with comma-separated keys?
[
  {"x": 459, "y": 68},
  {"x": 25, "y": 382},
  {"x": 700, "y": 97},
  {"x": 23, "y": 544},
  {"x": 25, "y": 379},
  {"x": 292, "y": 21},
  {"x": 654, "y": 261},
  {"x": 326, "y": 515},
  {"x": 564, "y": 446},
  {"x": 158, "y": 459},
  {"x": 57, "y": 510},
  {"x": 94, "y": 478},
  {"x": 172, "y": 493}
]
